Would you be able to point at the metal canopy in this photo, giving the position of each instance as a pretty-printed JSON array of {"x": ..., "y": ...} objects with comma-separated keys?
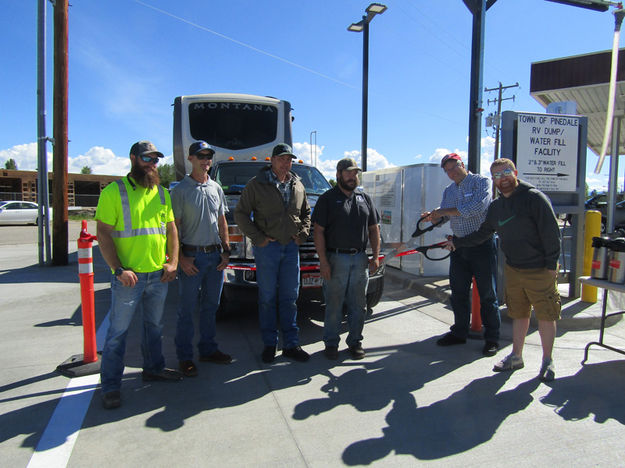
[{"x": 583, "y": 79}]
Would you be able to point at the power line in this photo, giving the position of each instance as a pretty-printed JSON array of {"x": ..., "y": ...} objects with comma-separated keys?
[{"x": 243, "y": 44}]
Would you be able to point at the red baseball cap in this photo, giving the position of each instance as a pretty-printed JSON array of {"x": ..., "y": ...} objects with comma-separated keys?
[{"x": 449, "y": 157}]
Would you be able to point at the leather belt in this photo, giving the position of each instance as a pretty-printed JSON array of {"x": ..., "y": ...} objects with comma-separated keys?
[
  {"x": 345, "y": 251},
  {"x": 201, "y": 248}
]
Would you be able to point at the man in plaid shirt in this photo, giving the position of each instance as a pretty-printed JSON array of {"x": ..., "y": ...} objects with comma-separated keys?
[{"x": 465, "y": 202}]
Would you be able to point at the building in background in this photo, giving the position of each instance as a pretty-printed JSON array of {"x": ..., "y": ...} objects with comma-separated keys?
[{"x": 82, "y": 190}]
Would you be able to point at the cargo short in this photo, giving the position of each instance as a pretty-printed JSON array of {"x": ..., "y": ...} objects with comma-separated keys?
[{"x": 531, "y": 287}]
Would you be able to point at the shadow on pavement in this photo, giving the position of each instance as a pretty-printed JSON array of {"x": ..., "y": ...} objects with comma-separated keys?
[
  {"x": 456, "y": 424},
  {"x": 596, "y": 389}
]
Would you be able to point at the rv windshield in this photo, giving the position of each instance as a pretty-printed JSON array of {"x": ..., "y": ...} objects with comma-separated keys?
[
  {"x": 233, "y": 125},
  {"x": 233, "y": 177}
]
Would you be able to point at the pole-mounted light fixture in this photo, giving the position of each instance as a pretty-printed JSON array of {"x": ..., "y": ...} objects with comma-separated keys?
[
  {"x": 376, "y": 9},
  {"x": 363, "y": 26}
]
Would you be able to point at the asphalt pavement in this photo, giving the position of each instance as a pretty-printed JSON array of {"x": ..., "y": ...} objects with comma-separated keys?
[{"x": 409, "y": 402}]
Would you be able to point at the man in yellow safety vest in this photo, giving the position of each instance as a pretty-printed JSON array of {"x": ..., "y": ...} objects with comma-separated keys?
[{"x": 136, "y": 230}]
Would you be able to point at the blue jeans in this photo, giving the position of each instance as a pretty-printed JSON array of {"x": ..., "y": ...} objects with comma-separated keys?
[
  {"x": 148, "y": 296},
  {"x": 203, "y": 289},
  {"x": 347, "y": 285},
  {"x": 478, "y": 261},
  {"x": 277, "y": 277}
]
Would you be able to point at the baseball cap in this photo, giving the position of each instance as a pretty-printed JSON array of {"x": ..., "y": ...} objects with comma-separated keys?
[
  {"x": 144, "y": 147},
  {"x": 347, "y": 164},
  {"x": 281, "y": 149},
  {"x": 199, "y": 146},
  {"x": 449, "y": 157}
]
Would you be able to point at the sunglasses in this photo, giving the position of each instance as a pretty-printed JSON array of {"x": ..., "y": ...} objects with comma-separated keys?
[
  {"x": 149, "y": 159},
  {"x": 201, "y": 156},
  {"x": 504, "y": 173}
]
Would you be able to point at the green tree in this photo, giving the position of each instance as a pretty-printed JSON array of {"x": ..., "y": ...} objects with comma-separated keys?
[
  {"x": 167, "y": 174},
  {"x": 332, "y": 182},
  {"x": 11, "y": 164},
  {"x": 86, "y": 170}
]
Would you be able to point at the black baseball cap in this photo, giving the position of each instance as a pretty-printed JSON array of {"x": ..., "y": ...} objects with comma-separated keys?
[{"x": 198, "y": 146}]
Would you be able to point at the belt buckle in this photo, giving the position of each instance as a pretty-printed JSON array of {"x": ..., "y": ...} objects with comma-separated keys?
[{"x": 353, "y": 251}]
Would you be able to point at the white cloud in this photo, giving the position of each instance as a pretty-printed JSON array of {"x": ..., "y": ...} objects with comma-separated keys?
[
  {"x": 375, "y": 161},
  {"x": 599, "y": 182},
  {"x": 307, "y": 152},
  {"x": 486, "y": 159},
  {"x": 25, "y": 156},
  {"x": 101, "y": 160},
  {"x": 440, "y": 152}
]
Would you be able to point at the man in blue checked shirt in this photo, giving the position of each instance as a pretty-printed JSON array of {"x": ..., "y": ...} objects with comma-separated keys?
[{"x": 465, "y": 202}]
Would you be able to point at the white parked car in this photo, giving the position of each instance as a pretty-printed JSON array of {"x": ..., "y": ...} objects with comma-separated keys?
[{"x": 18, "y": 212}]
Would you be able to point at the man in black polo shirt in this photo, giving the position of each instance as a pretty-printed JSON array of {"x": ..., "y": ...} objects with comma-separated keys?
[{"x": 344, "y": 221}]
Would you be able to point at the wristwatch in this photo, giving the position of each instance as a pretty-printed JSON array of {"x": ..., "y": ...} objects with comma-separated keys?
[{"x": 119, "y": 271}]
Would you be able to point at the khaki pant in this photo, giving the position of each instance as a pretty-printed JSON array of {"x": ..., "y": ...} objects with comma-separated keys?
[{"x": 532, "y": 287}]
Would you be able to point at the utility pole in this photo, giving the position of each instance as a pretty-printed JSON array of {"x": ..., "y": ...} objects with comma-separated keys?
[
  {"x": 496, "y": 124},
  {"x": 59, "y": 162}
]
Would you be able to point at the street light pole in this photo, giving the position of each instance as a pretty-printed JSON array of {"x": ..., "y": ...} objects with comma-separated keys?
[
  {"x": 365, "y": 94},
  {"x": 363, "y": 26}
]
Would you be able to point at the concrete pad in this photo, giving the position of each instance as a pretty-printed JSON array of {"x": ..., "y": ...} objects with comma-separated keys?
[{"x": 408, "y": 402}]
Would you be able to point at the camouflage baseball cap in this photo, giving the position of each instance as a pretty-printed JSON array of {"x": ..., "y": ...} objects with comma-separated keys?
[
  {"x": 144, "y": 147},
  {"x": 347, "y": 164}
]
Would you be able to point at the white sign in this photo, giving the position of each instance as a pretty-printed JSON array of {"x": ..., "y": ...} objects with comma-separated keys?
[{"x": 547, "y": 147}]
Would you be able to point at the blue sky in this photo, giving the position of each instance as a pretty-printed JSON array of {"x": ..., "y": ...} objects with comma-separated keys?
[{"x": 129, "y": 59}]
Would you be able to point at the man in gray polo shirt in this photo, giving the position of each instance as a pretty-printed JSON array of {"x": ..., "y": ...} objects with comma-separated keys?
[{"x": 199, "y": 209}]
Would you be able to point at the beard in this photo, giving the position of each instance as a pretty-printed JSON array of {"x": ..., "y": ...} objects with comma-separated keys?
[
  {"x": 349, "y": 185},
  {"x": 144, "y": 178}
]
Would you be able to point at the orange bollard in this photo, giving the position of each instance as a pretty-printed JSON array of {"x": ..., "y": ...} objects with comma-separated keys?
[
  {"x": 86, "y": 363},
  {"x": 85, "y": 272},
  {"x": 476, "y": 317}
]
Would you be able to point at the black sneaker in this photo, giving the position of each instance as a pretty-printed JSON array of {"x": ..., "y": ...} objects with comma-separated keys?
[
  {"x": 269, "y": 354},
  {"x": 331, "y": 352},
  {"x": 112, "y": 399},
  {"x": 187, "y": 368},
  {"x": 296, "y": 353},
  {"x": 450, "y": 339},
  {"x": 166, "y": 375},
  {"x": 490, "y": 348},
  {"x": 217, "y": 357},
  {"x": 357, "y": 352}
]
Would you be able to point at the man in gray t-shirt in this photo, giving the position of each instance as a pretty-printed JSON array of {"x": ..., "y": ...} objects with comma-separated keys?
[{"x": 199, "y": 208}]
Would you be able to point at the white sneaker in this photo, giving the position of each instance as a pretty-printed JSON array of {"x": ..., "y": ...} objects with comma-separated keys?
[{"x": 510, "y": 363}]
